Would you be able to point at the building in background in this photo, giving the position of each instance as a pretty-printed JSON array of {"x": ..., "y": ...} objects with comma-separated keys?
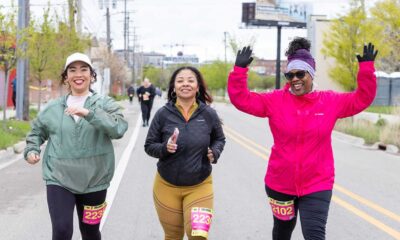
[
  {"x": 180, "y": 58},
  {"x": 266, "y": 67},
  {"x": 153, "y": 59},
  {"x": 317, "y": 26}
]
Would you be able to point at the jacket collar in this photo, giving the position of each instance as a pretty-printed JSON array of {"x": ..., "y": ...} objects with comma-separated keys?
[
  {"x": 90, "y": 100},
  {"x": 309, "y": 97},
  {"x": 171, "y": 107}
]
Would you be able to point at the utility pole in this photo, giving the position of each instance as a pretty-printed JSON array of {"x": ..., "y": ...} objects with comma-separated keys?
[
  {"x": 133, "y": 56},
  {"x": 108, "y": 30},
  {"x": 127, "y": 40},
  {"x": 225, "y": 35},
  {"x": 125, "y": 32},
  {"x": 226, "y": 64},
  {"x": 22, "y": 99},
  {"x": 79, "y": 15},
  {"x": 71, "y": 15},
  {"x": 278, "y": 60}
]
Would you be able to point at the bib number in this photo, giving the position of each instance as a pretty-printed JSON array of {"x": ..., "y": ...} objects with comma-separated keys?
[
  {"x": 283, "y": 210},
  {"x": 201, "y": 221},
  {"x": 92, "y": 214}
]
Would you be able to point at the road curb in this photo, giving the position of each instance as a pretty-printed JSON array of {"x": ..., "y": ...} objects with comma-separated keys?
[
  {"x": 360, "y": 142},
  {"x": 11, "y": 154},
  {"x": 348, "y": 138}
]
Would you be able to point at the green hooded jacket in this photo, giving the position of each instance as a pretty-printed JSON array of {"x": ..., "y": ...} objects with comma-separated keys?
[{"x": 79, "y": 156}]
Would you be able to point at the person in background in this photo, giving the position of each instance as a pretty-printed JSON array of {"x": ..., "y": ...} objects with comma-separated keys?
[
  {"x": 186, "y": 136},
  {"x": 146, "y": 94},
  {"x": 300, "y": 172},
  {"x": 14, "y": 92},
  {"x": 78, "y": 163},
  {"x": 158, "y": 92},
  {"x": 131, "y": 93}
]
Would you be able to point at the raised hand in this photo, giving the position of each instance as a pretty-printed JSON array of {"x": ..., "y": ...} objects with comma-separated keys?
[
  {"x": 368, "y": 55},
  {"x": 243, "y": 57},
  {"x": 78, "y": 111}
]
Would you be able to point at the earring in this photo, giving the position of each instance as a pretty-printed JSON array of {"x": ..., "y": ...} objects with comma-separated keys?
[{"x": 173, "y": 94}]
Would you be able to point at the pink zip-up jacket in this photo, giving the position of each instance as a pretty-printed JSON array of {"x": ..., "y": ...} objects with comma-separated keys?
[{"x": 301, "y": 160}]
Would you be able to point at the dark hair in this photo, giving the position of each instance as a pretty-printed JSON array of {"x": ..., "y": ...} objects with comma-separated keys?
[
  {"x": 296, "y": 44},
  {"x": 203, "y": 95},
  {"x": 64, "y": 74}
]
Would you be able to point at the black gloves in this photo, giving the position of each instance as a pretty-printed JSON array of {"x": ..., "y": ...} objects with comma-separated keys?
[
  {"x": 243, "y": 58},
  {"x": 369, "y": 54}
]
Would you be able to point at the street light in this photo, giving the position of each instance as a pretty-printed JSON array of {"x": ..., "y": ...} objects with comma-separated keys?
[{"x": 7, "y": 59}]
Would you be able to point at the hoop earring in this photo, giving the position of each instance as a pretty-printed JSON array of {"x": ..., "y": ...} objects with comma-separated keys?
[
  {"x": 173, "y": 94},
  {"x": 198, "y": 94}
]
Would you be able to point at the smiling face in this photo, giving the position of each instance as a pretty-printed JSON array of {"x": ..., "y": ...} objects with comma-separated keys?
[
  {"x": 186, "y": 85},
  {"x": 79, "y": 78},
  {"x": 300, "y": 81}
]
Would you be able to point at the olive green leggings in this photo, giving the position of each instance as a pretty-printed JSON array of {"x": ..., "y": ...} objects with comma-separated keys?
[{"x": 174, "y": 205}]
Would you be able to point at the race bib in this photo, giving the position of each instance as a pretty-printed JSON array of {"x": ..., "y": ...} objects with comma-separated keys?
[
  {"x": 92, "y": 214},
  {"x": 282, "y": 210},
  {"x": 201, "y": 221}
]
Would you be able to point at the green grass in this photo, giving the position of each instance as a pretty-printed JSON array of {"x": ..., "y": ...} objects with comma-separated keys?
[
  {"x": 119, "y": 97},
  {"x": 15, "y": 131},
  {"x": 382, "y": 109},
  {"x": 33, "y": 112},
  {"x": 360, "y": 128}
]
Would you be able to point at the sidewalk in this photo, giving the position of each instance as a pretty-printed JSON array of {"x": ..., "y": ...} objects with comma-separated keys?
[{"x": 10, "y": 113}]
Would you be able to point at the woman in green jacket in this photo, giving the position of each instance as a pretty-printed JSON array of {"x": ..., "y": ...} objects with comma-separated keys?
[{"x": 78, "y": 163}]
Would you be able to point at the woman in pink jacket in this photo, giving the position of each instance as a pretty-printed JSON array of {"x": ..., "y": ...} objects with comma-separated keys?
[{"x": 300, "y": 172}]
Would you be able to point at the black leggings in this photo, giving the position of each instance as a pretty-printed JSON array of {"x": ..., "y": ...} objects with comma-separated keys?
[
  {"x": 313, "y": 209},
  {"x": 146, "y": 109},
  {"x": 61, "y": 204}
]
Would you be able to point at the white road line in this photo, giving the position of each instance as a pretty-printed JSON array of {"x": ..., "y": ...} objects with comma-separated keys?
[
  {"x": 119, "y": 172},
  {"x": 16, "y": 159}
]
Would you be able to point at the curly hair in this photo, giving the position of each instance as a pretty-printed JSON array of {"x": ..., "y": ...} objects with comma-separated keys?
[{"x": 296, "y": 44}]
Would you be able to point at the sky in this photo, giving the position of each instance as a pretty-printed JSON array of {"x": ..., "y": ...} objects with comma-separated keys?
[{"x": 191, "y": 26}]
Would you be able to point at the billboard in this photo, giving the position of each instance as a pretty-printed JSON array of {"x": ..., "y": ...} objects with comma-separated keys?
[{"x": 276, "y": 13}]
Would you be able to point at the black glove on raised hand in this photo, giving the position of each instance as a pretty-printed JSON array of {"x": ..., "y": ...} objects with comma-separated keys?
[
  {"x": 369, "y": 54},
  {"x": 243, "y": 57}
]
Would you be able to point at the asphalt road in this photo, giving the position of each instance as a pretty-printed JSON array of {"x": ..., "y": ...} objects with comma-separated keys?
[{"x": 365, "y": 203}]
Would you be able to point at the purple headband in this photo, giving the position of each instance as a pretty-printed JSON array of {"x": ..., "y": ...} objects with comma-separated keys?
[{"x": 303, "y": 55}]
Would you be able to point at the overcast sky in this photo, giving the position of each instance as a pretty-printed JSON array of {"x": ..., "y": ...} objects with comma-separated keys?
[{"x": 199, "y": 25}]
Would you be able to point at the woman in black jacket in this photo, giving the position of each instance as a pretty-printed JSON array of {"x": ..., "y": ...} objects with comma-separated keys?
[{"x": 186, "y": 136}]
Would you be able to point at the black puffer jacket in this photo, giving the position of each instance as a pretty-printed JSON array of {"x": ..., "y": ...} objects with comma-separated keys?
[{"x": 189, "y": 165}]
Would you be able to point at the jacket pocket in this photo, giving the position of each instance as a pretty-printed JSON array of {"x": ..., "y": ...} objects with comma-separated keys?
[{"x": 79, "y": 174}]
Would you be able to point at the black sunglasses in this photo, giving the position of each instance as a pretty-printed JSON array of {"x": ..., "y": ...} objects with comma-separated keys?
[{"x": 299, "y": 74}]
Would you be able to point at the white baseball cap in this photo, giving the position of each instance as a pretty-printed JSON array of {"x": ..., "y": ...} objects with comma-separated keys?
[{"x": 78, "y": 57}]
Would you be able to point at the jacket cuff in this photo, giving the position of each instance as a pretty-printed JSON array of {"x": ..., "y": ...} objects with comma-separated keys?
[
  {"x": 367, "y": 64},
  {"x": 216, "y": 156},
  {"x": 30, "y": 152},
  {"x": 164, "y": 152},
  {"x": 90, "y": 116},
  {"x": 240, "y": 69}
]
